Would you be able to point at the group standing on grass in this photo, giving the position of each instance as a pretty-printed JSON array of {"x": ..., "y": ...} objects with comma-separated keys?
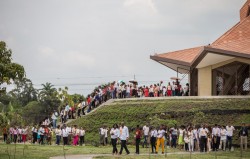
[{"x": 189, "y": 138}]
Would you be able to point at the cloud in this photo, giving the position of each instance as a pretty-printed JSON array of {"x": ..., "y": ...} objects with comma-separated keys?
[
  {"x": 141, "y": 5},
  {"x": 47, "y": 51},
  {"x": 72, "y": 59},
  {"x": 107, "y": 38},
  {"x": 79, "y": 59}
]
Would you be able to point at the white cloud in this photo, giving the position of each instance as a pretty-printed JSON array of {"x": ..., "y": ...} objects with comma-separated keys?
[
  {"x": 140, "y": 5},
  {"x": 47, "y": 51},
  {"x": 79, "y": 59}
]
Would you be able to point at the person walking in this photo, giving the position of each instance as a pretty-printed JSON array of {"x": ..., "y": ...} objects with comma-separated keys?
[
  {"x": 124, "y": 136},
  {"x": 153, "y": 135},
  {"x": 160, "y": 139},
  {"x": 243, "y": 134},
  {"x": 114, "y": 132},
  {"x": 230, "y": 130},
  {"x": 137, "y": 139},
  {"x": 145, "y": 132}
]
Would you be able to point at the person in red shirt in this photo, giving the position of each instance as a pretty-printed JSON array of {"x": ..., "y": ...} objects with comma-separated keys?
[
  {"x": 137, "y": 138},
  {"x": 146, "y": 92}
]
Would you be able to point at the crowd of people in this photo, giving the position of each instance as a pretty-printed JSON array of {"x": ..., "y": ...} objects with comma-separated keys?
[
  {"x": 188, "y": 138},
  {"x": 117, "y": 90},
  {"x": 191, "y": 138},
  {"x": 43, "y": 134},
  {"x": 122, "y": 90}
]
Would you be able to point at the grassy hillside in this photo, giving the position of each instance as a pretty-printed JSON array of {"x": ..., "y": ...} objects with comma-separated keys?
[{"x": 168, "y": 112}]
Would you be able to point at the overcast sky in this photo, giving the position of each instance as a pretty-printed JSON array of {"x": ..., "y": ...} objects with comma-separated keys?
[{"x": 81, "y": 43}]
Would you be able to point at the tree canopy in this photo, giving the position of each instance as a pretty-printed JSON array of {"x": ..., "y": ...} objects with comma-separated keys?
[{"x": 9, "y": 71}]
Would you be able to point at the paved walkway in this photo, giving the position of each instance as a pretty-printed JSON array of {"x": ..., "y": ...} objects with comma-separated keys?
[{"x": 90, "y": 156}]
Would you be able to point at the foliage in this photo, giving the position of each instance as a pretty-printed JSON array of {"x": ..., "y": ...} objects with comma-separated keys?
[
  {"x": 66, "y": 98},
  {"x": 24, "y": 91},
  {"x": 33, "y": 112},
  {"x": 8, "y": 70},
  {"x": 48, "y": 97}
]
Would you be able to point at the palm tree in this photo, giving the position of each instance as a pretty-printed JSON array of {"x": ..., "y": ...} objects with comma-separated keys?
[{"x": 48, "y": 90}]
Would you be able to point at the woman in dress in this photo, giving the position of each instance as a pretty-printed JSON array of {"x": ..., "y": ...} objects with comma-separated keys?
[{"x": 181, "y": 134}]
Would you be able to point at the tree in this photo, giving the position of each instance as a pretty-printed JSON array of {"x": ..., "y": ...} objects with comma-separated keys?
[
  {"x": 48, "y": 90},
  {"x": 9, "y": 70},
  {"x": 48, "y": 97},
  {"x": 24, "y": 91},
  {"x": 33, "y": 112}
]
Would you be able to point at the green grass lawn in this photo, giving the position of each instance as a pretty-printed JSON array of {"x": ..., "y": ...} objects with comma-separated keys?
[
  {"x": 169, "y": 112},
  {"x": 44, "y": 152}
]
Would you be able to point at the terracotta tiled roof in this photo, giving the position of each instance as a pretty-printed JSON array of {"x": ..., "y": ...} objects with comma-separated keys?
[
  {"x": 237, "y": 39},
  {"x": 187, "y": 55},
  {"x": 244, "y": 10}
]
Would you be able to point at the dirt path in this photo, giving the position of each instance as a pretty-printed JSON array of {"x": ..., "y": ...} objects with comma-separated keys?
[{"x": 90, "y": 156}]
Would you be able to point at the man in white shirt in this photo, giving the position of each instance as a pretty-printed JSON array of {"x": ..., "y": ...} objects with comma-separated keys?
[
  {"x": 102, "y": 135},
  {"x": 69, "y": 131},
  {"x": 216, "y": 137},
  {"x": 230, "y": 130},
  {"x": 124, "y": 136},
  {"x": 65, "y": 135},
  {"x": 203, "y": 132},
  {"x": 145, "y": 132}
]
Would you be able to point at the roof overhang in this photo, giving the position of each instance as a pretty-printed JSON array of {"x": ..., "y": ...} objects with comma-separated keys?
[
  {"x": 207, "y": 56},
  {"x": 179, "y": 66},
  {"x": 210, "y": 56}
]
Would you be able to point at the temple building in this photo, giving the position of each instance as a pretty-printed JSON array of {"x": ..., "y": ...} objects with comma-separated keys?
[{"x": 220, "y": 68}]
